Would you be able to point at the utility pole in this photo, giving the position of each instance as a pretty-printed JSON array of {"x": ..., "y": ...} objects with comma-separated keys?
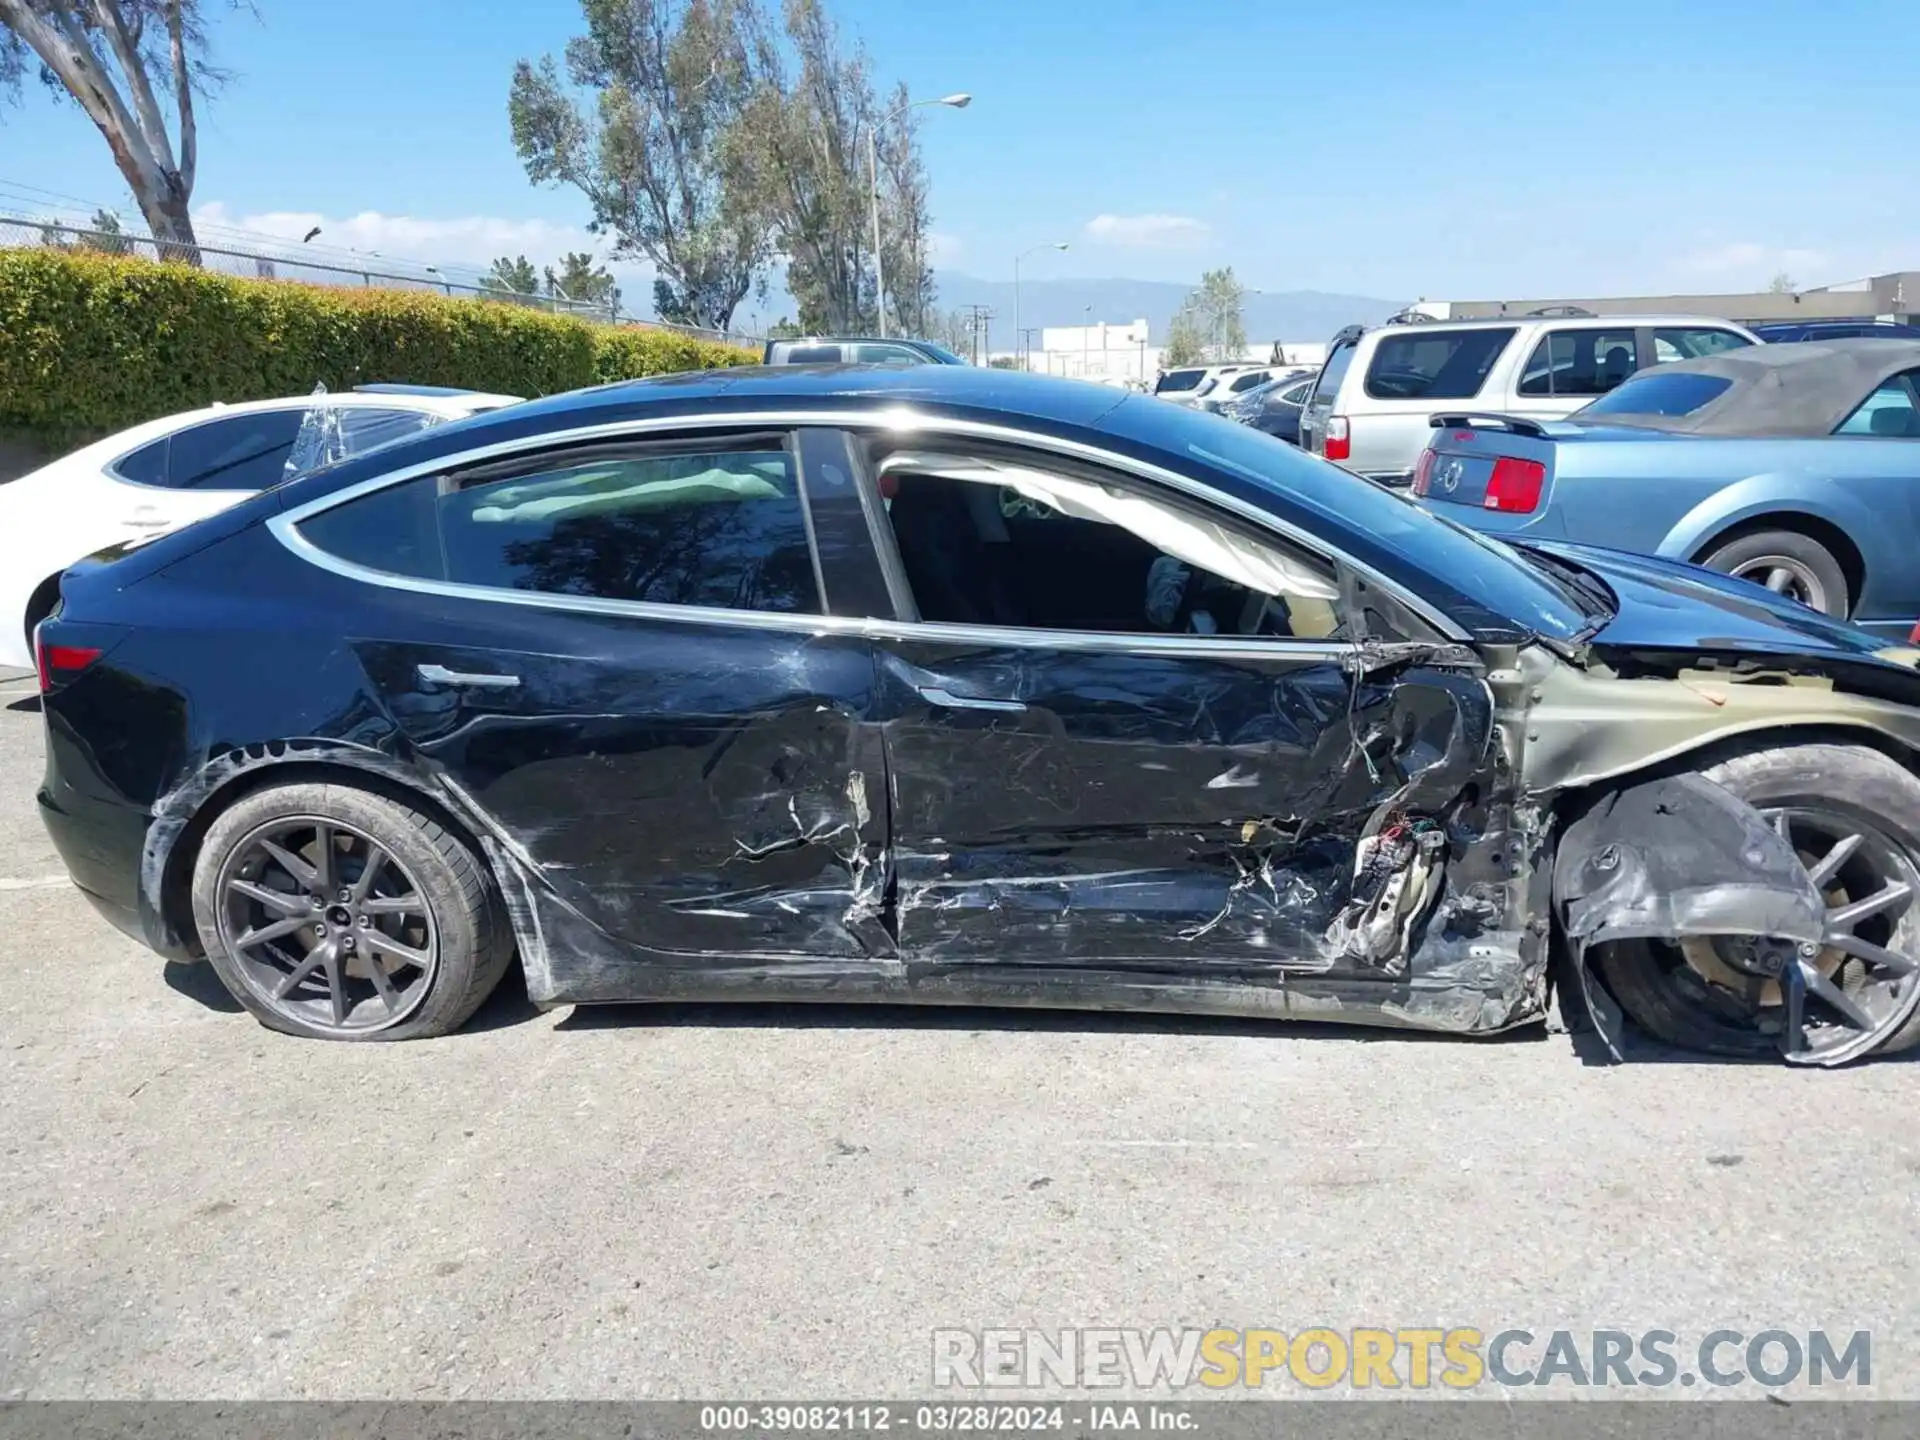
[
  {"x": 1026, "y": 346},
  {"x": 977, "y": 321}
]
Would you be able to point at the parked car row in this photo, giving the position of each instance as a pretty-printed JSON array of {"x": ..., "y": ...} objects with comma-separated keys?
[
  {"x": 1796, "y": 466},
  {"x": 1375, "y": 393}
]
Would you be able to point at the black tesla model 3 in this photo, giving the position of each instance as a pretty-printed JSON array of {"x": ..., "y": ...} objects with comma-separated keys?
[{"x": 951, "y": 685}]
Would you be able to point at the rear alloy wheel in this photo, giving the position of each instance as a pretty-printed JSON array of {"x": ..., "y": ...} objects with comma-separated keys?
[
  {"x": 1790, "y": 564},
  {"x": 1853, "y": 816},
  {"x": 332, "y": 912}
]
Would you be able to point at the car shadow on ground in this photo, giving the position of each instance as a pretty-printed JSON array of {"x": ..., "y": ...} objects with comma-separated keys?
[{"x": 509, "y": 1006}]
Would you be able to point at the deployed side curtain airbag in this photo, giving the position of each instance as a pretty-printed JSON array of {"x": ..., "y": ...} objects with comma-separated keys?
[{"x": 1198, "y": 542}]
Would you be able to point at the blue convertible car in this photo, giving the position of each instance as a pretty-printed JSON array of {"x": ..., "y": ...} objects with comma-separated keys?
[{"x": 1794, "y": 466}]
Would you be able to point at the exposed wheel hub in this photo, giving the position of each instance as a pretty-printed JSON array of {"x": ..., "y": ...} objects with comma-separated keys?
[{"x": 1839, "y": 999}]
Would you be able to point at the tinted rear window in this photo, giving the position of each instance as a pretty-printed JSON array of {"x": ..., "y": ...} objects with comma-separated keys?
[
  {"x": 1424, "y": 365},
  {"x": 1178, "y": 380},
  {"x": 1334, "y": 371},
  {"x": 1658, "y": 392}
]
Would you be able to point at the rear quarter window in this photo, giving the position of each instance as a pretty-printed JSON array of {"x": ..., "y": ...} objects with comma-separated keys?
[
  {"x": 1425, "y": 365},
  {"x": 1658, "y": 393},
  {"x": 1327, "y": 386}
]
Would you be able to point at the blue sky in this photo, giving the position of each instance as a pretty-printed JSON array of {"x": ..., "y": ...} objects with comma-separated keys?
[{"x": 1397, "y": 148}]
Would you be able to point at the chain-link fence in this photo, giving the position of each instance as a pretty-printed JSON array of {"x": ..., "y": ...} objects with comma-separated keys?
[{"x": 265, "y": 262}]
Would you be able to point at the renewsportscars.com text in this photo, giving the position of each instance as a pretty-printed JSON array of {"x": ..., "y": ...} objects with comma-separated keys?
[{"x": 1414, "y": 1358}]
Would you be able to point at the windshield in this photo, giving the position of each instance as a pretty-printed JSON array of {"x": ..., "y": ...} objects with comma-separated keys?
[
  {"x": 1494, "y": 576},
  {"x": 947, "y": 357}
]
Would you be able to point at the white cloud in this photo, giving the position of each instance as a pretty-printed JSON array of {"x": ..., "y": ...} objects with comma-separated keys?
[
  {"x": 404, "y": 242},
  {"x": 944, "y": 249},
  {"x": 1148, "y": 232},
  {"x": 1748, "y": 262}
]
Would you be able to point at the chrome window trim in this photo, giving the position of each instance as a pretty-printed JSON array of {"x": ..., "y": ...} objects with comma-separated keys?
[{"x": 899, "y": 418}]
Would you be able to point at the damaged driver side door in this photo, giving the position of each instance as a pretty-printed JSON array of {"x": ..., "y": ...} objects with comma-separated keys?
[{"x": 1124, "y": 732}]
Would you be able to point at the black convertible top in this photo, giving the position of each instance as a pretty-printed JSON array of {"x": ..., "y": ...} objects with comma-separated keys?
[{"x": 1806, "y": 388}]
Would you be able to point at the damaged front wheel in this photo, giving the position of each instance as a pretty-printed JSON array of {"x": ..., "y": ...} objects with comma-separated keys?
[{"x": 1852, "y": 815}]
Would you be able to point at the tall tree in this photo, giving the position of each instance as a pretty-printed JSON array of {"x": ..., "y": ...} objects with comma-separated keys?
[
  {"x": 904, "y": 221},
  {"x": 1217, "y": 308},
  {"x": 580, "y": 280},
  {"x": 798, "y": 159},
  {"x": 514, "y": 276},
  {"x": 127, "y": 63},
  {"x": 650, "y": 94},
  {"x": 1186, "y": 337}
]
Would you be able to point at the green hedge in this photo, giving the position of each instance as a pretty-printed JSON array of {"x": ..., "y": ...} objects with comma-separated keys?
[{"x": 90, "y": 344}]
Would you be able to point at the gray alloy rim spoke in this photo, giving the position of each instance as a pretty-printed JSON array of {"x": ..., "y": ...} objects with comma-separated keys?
[
  {"x": 394, "y": 905},
  {"x": 1838, "y": 999},
  {"x": 376, "y": 862},
  {"x": 379, "y": 943},
  {"x": 389, "y": 995},
  {"x": 336, "y": 984},
  {"x": 323, "y": 860},
  {"x": 1847, "y": 916},
  {"x": 272, "y": 899},
  {"x": 1796, "y": 997},
  {"x": 300, "y": 869},
  {"x": 272, "y": 932},
  {"x": 1873, "y": 954},
  {"x": 1779, "y": 579},
  {"x": 315, "y": 959},
  {"x": 1829, "y": 866}
]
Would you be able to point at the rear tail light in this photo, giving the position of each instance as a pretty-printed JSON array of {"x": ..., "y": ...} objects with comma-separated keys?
[
  {"x": 1423, "y": 472},
  {"x": 1338, "y": 442},
  {"x": 1914, "y": 638},
  {"x": 1515, "y": 485},
  {"x": 60, "y": 663}
]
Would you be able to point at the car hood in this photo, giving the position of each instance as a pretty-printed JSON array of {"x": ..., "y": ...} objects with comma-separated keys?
[{"x": 1667, "y": 605}]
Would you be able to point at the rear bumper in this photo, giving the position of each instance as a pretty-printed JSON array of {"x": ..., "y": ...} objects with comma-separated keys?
[{"x": 101, "y": 846}]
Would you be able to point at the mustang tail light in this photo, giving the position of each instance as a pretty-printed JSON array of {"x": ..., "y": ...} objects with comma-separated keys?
[
  {"x": 1515, "y": 485},
  {"x": 1423, "y": 472},
  {"x": 60, "y": 663},
  {"x": 1914, "y": 638},
  {"x": 1337, "y": 444}
]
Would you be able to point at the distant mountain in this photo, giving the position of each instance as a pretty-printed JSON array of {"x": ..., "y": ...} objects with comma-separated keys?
[{"x": 1292, "y": 315}]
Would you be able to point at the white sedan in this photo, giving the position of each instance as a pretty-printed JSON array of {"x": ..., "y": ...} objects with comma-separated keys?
[{"x": 168, "y": 473}]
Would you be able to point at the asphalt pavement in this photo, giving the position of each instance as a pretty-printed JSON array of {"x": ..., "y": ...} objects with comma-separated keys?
[{"x": 679, "y": 1201}]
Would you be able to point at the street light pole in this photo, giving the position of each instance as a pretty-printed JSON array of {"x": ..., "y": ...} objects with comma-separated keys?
[
  {"x": 1019, "y": 334},
  {"x": 957, "y": 101}
]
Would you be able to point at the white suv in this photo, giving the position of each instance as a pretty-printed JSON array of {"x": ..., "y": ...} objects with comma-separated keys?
[
  {"x": 1370, "y": 406},
  {"x": 1189, "y": 384}
]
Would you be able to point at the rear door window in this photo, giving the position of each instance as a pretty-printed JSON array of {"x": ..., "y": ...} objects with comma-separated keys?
[
  {"x": 363, "y": 427},
  {"x": 239, "y": 452},
  {"x": 1427, "y": 365},
  {"x": 1690, "y": 342},
  {"x": 1579, "y": 362},
  {"x": 887, "y": 355},
  {"x": 719, "y": 528}
]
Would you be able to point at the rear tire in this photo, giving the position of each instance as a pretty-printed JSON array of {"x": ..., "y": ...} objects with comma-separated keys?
[
  {"x": 289, "y": 866},
  {"x": 1788, "y": 563},
  {"x": 1824, "y": 789}
]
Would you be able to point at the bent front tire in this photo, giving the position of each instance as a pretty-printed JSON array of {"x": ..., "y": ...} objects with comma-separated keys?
[
  {"x": 337, "y": 913},
  {"x": 1853, "y": 816}
]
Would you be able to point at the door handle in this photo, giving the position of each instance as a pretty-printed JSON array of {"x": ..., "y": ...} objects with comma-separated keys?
[
  {"x": 440, "y": 675},
  {"x": 937, "y": 695}
]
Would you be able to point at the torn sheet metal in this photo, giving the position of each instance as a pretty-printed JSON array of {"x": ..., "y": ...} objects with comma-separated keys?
[{"x": 1676, "y": 857}]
